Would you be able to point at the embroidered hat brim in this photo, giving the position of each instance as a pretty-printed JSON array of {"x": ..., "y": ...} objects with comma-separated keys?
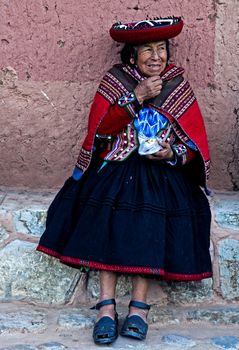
[{"x": 141, "y": 32}]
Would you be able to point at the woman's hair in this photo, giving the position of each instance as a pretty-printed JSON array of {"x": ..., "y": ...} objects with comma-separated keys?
[{"x": 130, "y": 51}]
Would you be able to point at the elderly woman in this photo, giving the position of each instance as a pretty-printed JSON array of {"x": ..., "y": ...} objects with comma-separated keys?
[{"x": 134, "y": 203}]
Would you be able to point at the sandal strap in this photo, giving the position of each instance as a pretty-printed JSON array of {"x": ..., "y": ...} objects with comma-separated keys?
[
  {"x": 139, "y": 305},
  {"x": 103, "y": 303}
]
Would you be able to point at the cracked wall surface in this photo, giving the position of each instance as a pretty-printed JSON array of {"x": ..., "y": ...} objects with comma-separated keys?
[
  {"x": 53, "y": 55},
  {"x": 223, "y": 110}
]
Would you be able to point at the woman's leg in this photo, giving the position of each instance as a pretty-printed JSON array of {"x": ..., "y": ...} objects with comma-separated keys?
[
  {"x": 108, "y": 282},
  {"x": 140, "y": 288},
  {"x": 135, "y": 325}
]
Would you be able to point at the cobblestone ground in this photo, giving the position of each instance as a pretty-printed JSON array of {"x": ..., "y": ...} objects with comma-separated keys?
[{"x": 29, "y": 327}]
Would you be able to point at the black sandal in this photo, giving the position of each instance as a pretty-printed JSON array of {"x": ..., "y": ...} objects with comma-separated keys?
[
  {"x": 105, "y": 330},
  {"x": 134, "y": 326}
]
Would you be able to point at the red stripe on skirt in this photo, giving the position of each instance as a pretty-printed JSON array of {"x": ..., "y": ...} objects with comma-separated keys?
[{"x": 126, "y": 269}]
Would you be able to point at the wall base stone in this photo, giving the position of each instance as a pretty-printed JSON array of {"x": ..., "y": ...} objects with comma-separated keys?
[
  {"x": 30, "y": 222},
  {"x": 218, "y": 315},
  {"x": 229, "y": 268},
  {"x": 227, "y": 212},
  {"x": 3, "y": 234},
  {"x": 188, "y": 292},
  {"x": 31, "y": 276}
]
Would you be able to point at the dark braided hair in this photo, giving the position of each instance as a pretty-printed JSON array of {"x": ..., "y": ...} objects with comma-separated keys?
[{"x": 130, "y": 51}]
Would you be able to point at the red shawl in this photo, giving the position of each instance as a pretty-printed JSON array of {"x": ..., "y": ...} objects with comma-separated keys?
[{"x": 180, "y": 106}]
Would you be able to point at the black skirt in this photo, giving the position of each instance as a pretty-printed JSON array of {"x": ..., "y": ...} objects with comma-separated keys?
[{"x": 136, "y": 216}]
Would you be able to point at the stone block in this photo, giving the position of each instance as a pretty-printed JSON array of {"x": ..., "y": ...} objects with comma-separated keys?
[
  {"x": 227, "y": 213},
  {"x": 30, "y": 221},
  {"x": 229, "y": 268},
  {"x": 52, "y": 346},
  {"x": 188, "y": 292},
  {"x": 217, "y": 315},
  {"x": 163, "y": 315},
  {"x": 75, "y": 319},
  {"x": 3, "y": 234},
  {"x": 2, "y": 196},
  {"x": 22, "y": 322},
  {"x": 20, "y": 347},
  {"x": 226, "y": 342},
  {"x": 32, "y": 276},
  {"x": 178, "y": 341}
]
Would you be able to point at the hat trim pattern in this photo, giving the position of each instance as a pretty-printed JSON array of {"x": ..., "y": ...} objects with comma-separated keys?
[
  {"x": 147, "y": 30},
  {"x": 148, "y": 23}
]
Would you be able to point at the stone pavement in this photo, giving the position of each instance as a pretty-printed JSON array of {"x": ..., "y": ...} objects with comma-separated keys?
[{"x": 29, "y": 327}]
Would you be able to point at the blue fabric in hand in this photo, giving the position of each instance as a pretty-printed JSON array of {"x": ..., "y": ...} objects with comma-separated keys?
[{"x": 149, "y": 125}]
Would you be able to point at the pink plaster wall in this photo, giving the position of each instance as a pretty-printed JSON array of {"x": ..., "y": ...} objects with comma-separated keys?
[
  {"x": 53, "y": 54},
  {"x": 68, "y": 39}
]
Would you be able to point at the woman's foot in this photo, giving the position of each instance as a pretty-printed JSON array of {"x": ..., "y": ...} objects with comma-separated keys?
[
  {"x": 107, "y": 310},
  {"x": 135, "y": 325},
  {"x": 106, "y": 328},
  {"x": 143, "y": 313}
]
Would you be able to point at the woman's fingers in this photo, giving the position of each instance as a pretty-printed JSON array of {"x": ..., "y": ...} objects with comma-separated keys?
[
  {"x": 165, "y": 144},
  {"x": 165, "y": 154},
  {"x": 153, "y": 84},
  {"x": 155, "y": 80},
  {"x": 148, "y": 88}
]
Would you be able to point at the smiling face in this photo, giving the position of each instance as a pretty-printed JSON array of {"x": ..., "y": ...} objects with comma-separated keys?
[{"x": 152, "y": 58}]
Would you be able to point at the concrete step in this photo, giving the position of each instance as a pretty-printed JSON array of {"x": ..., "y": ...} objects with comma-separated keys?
[{"x": 30, "y": 327}]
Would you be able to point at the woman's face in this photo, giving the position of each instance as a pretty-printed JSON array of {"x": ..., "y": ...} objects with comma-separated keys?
[{"x": 152, "y": 58}]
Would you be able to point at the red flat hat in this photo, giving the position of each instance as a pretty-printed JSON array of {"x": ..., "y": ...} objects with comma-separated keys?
[{"x": 141, "y": 32}]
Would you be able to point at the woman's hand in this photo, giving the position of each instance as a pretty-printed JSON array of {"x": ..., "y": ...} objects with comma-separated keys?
[
  {"x": 165, "y": 154},
  {"x": 148, "y": 88}
]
